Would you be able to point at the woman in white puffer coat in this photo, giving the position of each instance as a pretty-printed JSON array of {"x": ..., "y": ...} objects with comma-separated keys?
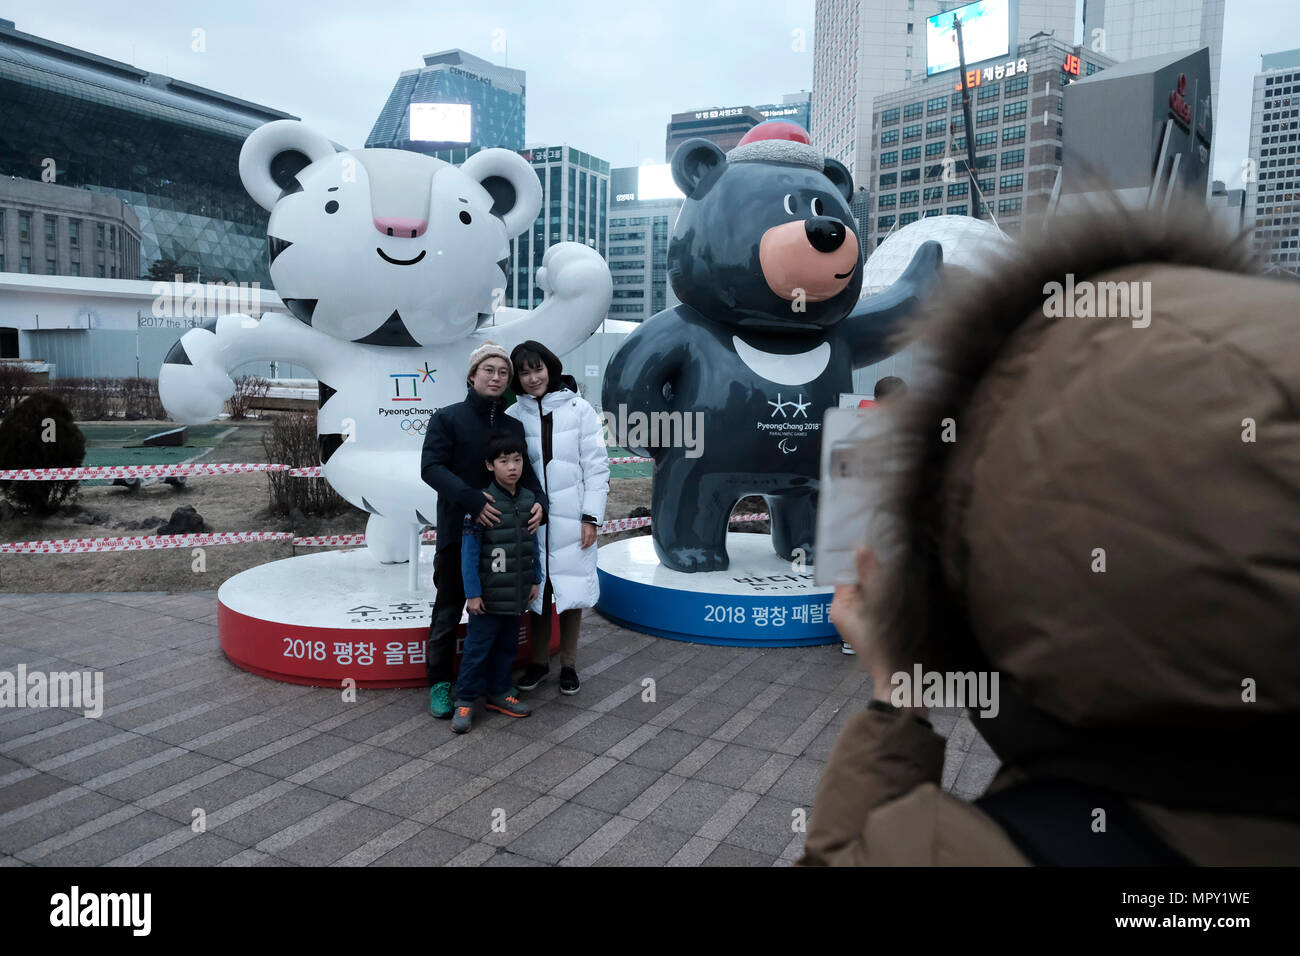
[{"x": 567, "y": 450}]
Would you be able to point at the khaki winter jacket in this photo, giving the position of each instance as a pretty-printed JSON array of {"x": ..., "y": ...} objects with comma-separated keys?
[{"x": 1115, "y": 531}]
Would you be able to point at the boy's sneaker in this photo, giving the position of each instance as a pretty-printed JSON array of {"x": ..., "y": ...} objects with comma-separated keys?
[
  {"x": 846, "y": 649},
  {"x": 569, "y": 683},
  {"x": 440, "y": 700},
  {"x": 460, "y": 722},
  {"x": 508, "y": 704},
  {"x": 534, "y": 674}
]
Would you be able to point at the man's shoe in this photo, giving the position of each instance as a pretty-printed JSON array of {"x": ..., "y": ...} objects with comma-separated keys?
[
  {"x": 440, "y": 700},
  {"x": 460, "y": 723},
  {"x": 569, "y": 683},
  {"x": 846, "y": 649},
  {"x": 534, "y": 674},
  {"x": 508, "y": 704}
]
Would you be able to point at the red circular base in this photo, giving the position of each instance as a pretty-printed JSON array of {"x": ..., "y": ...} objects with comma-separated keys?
[{"x": 320, "y": 619}]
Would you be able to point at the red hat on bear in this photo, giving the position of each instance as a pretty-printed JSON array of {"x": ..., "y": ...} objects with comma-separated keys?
[{"x": 777, "y": 141}]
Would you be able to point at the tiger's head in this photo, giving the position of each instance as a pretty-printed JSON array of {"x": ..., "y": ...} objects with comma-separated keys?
[{"x": 386, "y": 246}]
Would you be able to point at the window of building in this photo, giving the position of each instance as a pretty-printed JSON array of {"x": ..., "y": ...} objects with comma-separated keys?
[
  {"x": 112, "y": 239},
  {"x": 932, "y": 194},
  {"x": 884, "y": 222},
  {"x": 889, "y": 137},
  {"x": 911, "y": 153},
  {"x": 908, "y": 218},
  {"x": 911, "y": 132},
  {"x": 889, "y": 159},
  {"x": 1017, "y": 84},
  {"x": 988, "y": 91},
  {"x": 49, "y": 229},
  {"x": 986, "y": 117},
  {"x": 934, "y": 149},
  {"x": 889, "y": 116},
  {"x": 24, "y": 227},
  {"x": 986, "y": 185},
  {"x": 1009, "y": 205},
  {"x": 1013, "y": 158},
  {"x": 1012, "y": 110},
  {"x": 888, "y": 179},
  {"x": 958, "y": 189},
  {"x": 1014, "y": 181},
  {"x": 986, "y": 139},
  {"x": 74, "y": 268},
  {"x": 51, "y": 267},
  {"x": 909, "y": 176},
  {"x": 956, "y": 210},
  {"x": 887, "y": 201},
  {"x": 936, "y": 128},
  {"x": 913, "y": 110},
  {"x": 1092, "y": 68},
  {"x": 25, "y": 264},
  {"x": 936, "y": 104},
  {"x": 955, "y": 99},
  {"x": 1013, "y": 134},
  {"x": 909, "y": 197}
]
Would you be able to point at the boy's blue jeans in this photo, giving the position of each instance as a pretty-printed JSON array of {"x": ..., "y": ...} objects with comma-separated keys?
[{"x": 491, "y": 641}]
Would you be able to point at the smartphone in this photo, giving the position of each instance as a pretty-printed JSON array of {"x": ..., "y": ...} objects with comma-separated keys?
[{"x": 855, "y": 456}]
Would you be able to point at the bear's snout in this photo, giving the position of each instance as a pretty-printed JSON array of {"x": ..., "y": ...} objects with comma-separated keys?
[{"x": 814, "y": 257}]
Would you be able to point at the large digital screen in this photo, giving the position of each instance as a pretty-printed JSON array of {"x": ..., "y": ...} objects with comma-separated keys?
[
  {"x": 656, "y": 182},
  {"x": 985, "y": 34},
  {"x": 440, "y": 122}
]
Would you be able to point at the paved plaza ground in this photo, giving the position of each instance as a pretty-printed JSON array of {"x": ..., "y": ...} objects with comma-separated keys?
[{"x": 711, "y": 772}]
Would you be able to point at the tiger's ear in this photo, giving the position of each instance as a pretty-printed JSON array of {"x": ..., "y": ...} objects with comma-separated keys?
[
  {"x": 510, "y": 181},
  {"x": 274, "y": 154}
]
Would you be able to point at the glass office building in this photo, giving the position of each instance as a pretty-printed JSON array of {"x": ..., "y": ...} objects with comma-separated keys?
[
  {"x": 575, "y": 208},
  {"x": 638, "y": 248},
  {"x": 167, "y": 148},
  {"x": 494, "y": 95}
]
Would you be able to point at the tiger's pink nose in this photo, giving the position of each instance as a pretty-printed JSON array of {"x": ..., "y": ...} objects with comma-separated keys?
[{"x": 401, "y": 228}]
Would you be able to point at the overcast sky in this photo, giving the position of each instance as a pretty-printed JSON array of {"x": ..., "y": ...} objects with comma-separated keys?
[{"x": 603, "y": 77}]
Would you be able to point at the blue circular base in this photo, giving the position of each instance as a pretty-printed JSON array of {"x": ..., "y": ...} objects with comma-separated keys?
[{"x": 760, "y": 601}]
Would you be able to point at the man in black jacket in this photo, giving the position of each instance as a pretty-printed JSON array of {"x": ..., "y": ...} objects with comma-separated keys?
[{"x": 452, "y": 464}]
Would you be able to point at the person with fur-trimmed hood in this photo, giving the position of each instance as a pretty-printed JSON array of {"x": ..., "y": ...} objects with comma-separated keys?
[{"x": 1105, "y": 512}]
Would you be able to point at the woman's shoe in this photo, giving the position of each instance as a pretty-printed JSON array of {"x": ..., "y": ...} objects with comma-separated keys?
[
  {"x": 569, "y": 683},
  {"x": 533, "y": 675}
]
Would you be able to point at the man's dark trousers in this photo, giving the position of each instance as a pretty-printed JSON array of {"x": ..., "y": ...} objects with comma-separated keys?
[{"x": 448, "y": 604}]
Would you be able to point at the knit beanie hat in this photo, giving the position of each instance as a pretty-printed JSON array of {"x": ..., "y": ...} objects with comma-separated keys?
[
  {"x": 777, "y": 141},
  {"x": 485, "y": 351}
]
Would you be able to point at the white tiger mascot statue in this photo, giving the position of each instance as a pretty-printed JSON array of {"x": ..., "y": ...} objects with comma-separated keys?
[{"x": 393, "y": 265}]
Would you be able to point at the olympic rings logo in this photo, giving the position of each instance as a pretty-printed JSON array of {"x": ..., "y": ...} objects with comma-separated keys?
[{"x": 416, "y": 426}]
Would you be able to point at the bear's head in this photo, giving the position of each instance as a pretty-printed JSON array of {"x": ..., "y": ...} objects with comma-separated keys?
[
  {"x": 765, "y": 239},
  {"x": 386, "y": 246}
]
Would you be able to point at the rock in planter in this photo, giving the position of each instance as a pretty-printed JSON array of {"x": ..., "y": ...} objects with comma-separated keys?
[{"x": 184, "y": 520}]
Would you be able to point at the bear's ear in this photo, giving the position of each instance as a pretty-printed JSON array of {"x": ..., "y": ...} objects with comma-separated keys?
[
  {"x": 694, "y": 160},
  {"x": 274, "y": 154},
  {"x": 839, "y": 174},
  {"x": 512, "y": 184}
]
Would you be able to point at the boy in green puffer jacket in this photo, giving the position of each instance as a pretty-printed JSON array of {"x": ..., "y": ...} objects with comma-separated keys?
[{"x": 501, "y": 567}]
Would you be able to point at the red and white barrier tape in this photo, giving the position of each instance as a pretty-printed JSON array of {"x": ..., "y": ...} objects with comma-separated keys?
[
  {"x": 141, "y": 543},
  {"x": 156, "y": 542},
  {"x": 162, "y": 471}
]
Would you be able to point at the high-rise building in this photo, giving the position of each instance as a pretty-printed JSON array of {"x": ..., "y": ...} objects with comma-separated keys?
[
  {"x": 1131, "y": 29},
  {"x": 918, "y": 165},
  {"x": 638, "y": 243},
  {"x": 727, "y": 125},
  {"x": 1273, "y": 185},
  {"x": 167, "y": 148},
  {"x": 863, "y": 48},
  {"x": 452, "y": 106},
  {"x": 575, "y": 208}
]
